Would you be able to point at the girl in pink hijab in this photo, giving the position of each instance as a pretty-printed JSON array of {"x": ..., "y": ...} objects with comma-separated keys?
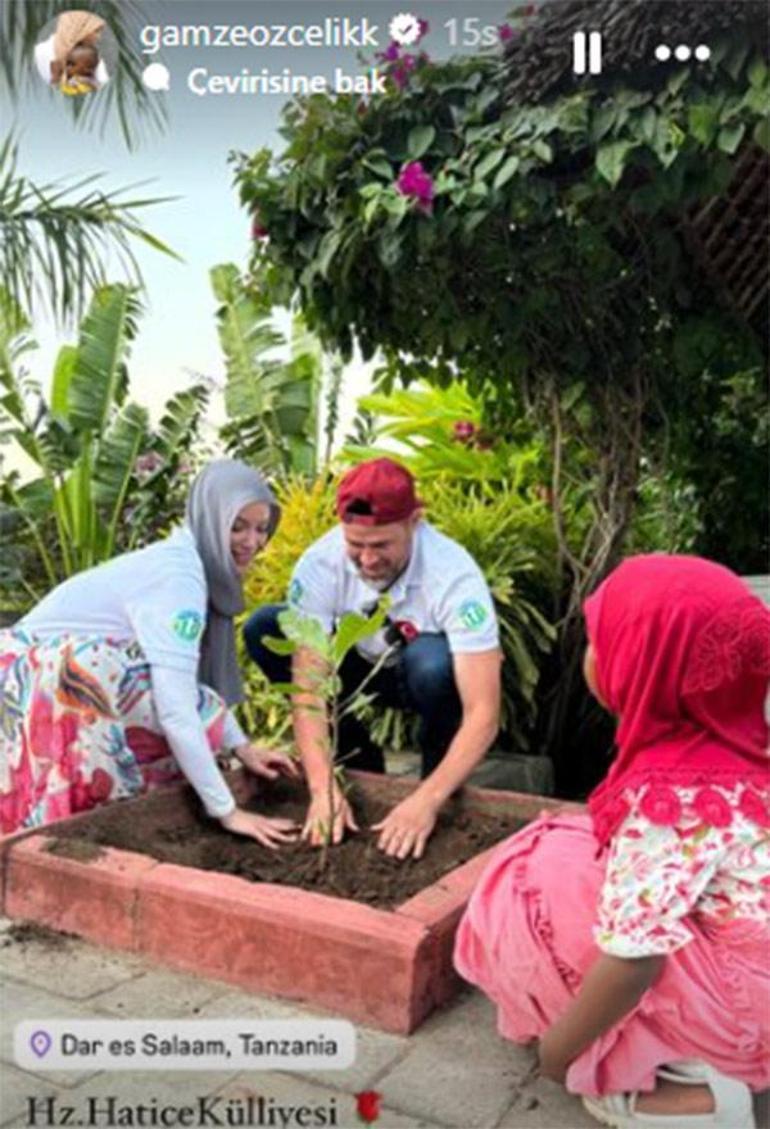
[{"x": 632, "y": 941}]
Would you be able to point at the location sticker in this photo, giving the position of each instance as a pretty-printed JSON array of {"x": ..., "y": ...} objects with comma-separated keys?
[{"x": 40, "y": 1041}]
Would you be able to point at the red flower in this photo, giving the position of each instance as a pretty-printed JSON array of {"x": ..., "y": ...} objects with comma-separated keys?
[
  {"x": 505, "y": 31},
  {"x": 713, "y": 808},
  {"x": 754, "y": 808},
  {"x": 258, "y": 229},
  {"x": 464, "y": 430},
  {"x": 407, "y": 630},
  {"x": 414, "y": 181},
  {"x": 661, "y": 805},
  {"x": 424, "y": 28},
  {"x": 368, "y": 1105}
]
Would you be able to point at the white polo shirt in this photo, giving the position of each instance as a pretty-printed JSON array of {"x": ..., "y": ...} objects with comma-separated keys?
[{"x": 442, "y": 589}]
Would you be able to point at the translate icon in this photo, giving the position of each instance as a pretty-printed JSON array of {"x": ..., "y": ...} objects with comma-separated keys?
[
  {"x": 40, "y": 1041},
  {"x": 587, "y": 52},
  {"x": 156, "y": 77}
]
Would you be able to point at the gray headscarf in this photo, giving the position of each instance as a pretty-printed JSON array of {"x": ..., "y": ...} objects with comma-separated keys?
[{"x": 217, "y": 495}]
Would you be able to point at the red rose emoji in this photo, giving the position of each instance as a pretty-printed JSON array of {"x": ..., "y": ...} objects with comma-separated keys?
[{"x": 368, "y": 1105}]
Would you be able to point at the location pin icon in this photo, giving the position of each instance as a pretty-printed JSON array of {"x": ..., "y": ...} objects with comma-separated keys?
[{"x": 40, "y": 1041}]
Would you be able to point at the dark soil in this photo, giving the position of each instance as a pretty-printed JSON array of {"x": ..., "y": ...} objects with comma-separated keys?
[
  {"x": 355, "y": 869},
  {"x": 26, "y": 932}
]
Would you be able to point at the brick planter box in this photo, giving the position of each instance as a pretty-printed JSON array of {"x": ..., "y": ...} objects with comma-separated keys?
[{"x": 383, "y": 968}]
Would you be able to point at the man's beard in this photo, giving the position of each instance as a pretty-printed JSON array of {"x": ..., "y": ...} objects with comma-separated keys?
[{"x": 379, "y": 584}]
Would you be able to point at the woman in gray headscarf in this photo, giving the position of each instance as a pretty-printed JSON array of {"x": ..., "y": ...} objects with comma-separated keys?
[{"x": 125, "y": 673}]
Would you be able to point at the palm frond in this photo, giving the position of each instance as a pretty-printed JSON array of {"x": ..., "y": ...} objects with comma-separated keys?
[{"x": 55, "y": 239}]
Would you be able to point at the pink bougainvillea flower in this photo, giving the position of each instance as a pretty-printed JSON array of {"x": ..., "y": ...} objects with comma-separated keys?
[
  {"x": 713, "y": 808},
  {"x": 505, "y": 31},
  {"x": 661, "y": 805},
  {"x": 400, "y": 73},
  {"x": 258, "y": 229},
  {"x": 368, "y": 1105},
  {"x": 391, "y": 53},
  {"x": 414, "y": 181},
  {"x": 463, "y": 431},
  {"x": 424, "y": 29}
]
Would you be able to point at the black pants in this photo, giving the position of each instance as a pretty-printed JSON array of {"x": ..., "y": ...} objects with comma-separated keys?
[{"x": 421, "y": 679}]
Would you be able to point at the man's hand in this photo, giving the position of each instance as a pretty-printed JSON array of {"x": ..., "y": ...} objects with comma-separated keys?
[
  {"x": 266, "y": 762},
  {"x": 269, "y": 832},
  {"x": 319, "y": 817},
  {"x": 405, "y": 829}
]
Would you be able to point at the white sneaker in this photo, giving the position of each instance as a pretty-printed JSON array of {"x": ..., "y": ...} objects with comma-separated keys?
[{"x": 732, "y": 1103}]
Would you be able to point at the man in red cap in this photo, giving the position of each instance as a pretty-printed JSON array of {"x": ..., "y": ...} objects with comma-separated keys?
[{"x": 439, "y": 652}]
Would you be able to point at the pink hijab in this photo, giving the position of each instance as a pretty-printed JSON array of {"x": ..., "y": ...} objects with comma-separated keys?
[{"x": 682, "y": 653}]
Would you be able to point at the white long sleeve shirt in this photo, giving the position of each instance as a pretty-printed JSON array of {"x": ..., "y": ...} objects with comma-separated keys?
[{"x": 156, "y": 596}]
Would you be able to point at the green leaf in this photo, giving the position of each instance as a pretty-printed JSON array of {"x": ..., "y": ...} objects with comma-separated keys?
[
  {"x": 305, "y": 631},
  {"x": 353, "y": 629},
  {"x": 543, "y": 150},
  {"x": 488, "y": 163},
  {"x": 611, "y": 160},
  {"x": 730, "y": 137},
  {"x": 379, "y": 166},
  {"x": 761, "y": 134},
  {"x": 473, "y": 219},
  {"x": 505, "y": 172},
  {"x": 677, "y": 80},
  {"x": 758, "y": 73},
  {"x": 62, "y": 375},
  {"x": 420, "y": 140},
  {"x": 702, "y": 122}
]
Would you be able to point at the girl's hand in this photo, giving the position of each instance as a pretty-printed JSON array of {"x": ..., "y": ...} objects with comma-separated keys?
[
  {"x": 269, "y": 763},
  {"x": 270, "y": 832}
]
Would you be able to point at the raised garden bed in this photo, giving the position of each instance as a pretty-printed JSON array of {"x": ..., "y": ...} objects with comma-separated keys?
[{"x": 385, "y": 967}]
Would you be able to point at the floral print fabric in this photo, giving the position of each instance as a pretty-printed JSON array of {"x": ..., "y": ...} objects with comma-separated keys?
[
  {"x": 683, "y": 858},
  {"x": 78, "y": 727}
]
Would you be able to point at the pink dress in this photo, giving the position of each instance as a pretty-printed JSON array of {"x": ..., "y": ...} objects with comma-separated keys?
[{"x": 551, "y": 901}]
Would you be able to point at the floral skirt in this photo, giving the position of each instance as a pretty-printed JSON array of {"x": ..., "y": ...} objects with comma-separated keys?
[
  {"x": 78, "y": 727},
  {"x": 526, "y": 940}
]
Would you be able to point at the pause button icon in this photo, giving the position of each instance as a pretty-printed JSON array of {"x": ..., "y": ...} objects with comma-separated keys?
[{"x": 590, "y": 45}]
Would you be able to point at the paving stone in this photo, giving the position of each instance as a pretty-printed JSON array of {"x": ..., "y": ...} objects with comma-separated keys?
[
  {"x": 285, "y": 1090},
  {"x": 160, "y": 994},
  {"x": 375, "y": 1050},
  {"x": 20, "y": 1001},
  {"x": 459, "y": 1071},
  {"x": 543, "y": 1104},
  {"x": 53, "y": 961},
  {"x": 16, "y": 1086}
]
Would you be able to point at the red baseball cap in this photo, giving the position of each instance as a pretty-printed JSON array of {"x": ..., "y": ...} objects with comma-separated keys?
[{"x": 376, "y": 493}]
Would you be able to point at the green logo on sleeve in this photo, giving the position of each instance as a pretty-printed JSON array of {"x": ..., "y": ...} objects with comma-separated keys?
[
  {"x": 188, "y": 625},
  {"x": 473, "y": 614}
]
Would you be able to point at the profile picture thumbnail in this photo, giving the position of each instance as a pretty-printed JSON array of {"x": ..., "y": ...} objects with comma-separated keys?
[{"x": 69, "y": 57}]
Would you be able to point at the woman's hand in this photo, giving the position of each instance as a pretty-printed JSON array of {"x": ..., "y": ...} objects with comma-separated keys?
[
  {"x": 266, "y": 762},
  {"x": 270, "y": 832},
  {"x": 318, "y": 820}
]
